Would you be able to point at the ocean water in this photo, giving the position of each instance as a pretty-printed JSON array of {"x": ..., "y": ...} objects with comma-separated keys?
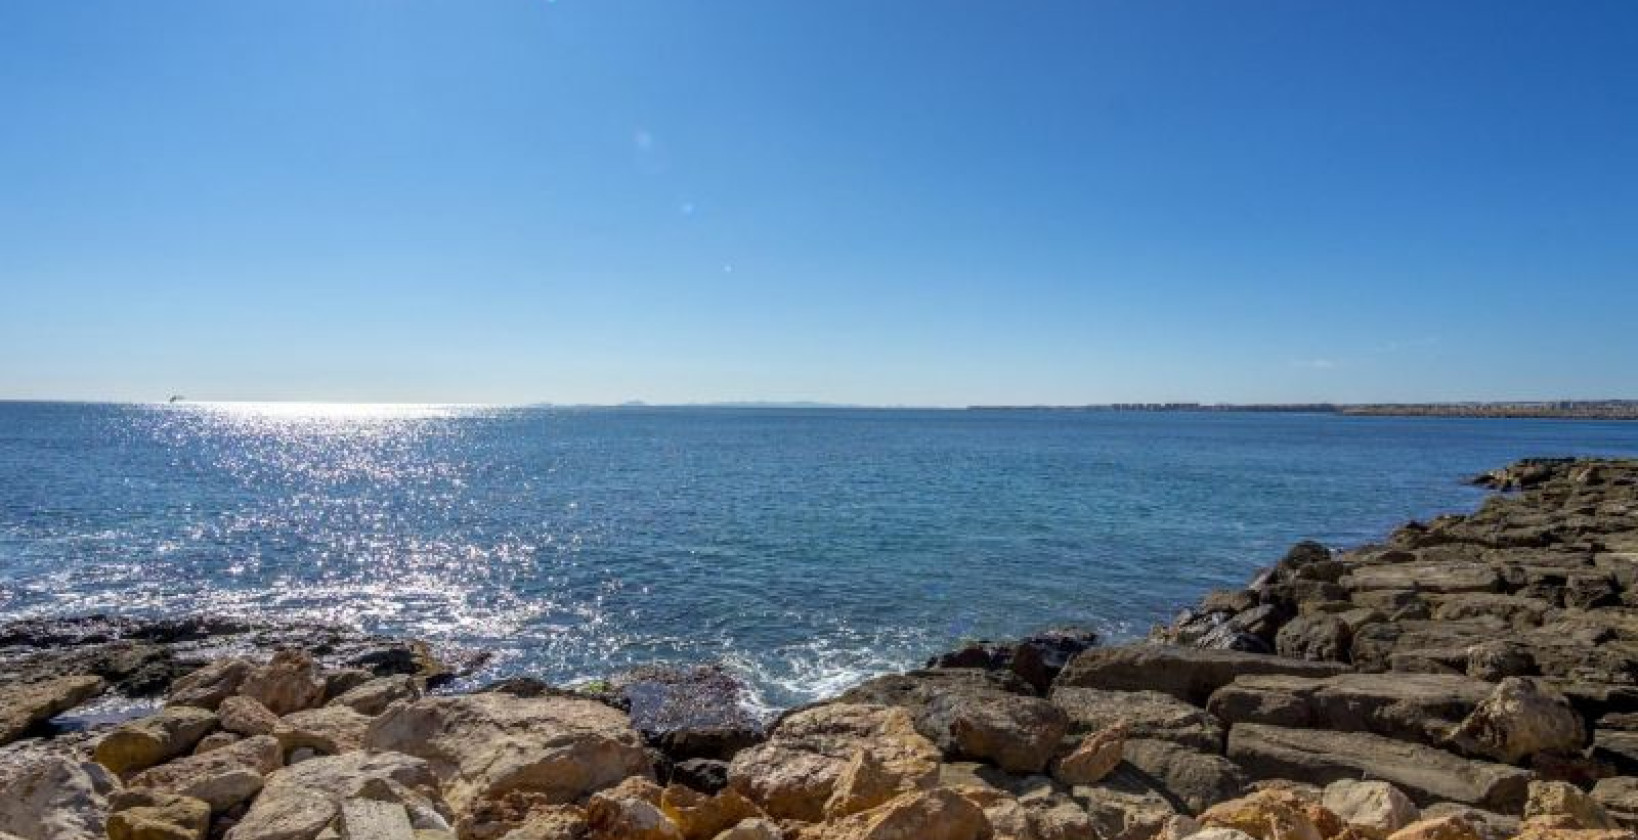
[{"x": 805, "y": 549}]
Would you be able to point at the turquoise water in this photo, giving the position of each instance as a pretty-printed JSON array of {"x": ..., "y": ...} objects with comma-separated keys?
[{"x": 805, "y": 548}]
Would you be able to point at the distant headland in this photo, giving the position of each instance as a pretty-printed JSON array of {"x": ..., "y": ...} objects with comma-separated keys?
[{"x": 1579, "y": 409}]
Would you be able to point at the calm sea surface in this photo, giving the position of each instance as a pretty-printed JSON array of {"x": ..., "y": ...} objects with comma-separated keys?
[{"x": 804, "y": 548}]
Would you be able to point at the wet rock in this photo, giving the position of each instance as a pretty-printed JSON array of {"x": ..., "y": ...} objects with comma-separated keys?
[
  {"x": 706, "y": 775},
  {"x": 144, "y": 815},
  {"x": 147, "y": 741},
  {"x": 1520, "y": 718},
  {"x": 291, "y": 682},
  {"x": 793, "y": 774},
  {"x": 1377, "y": 807},
  {"x": 1189, "y": 674},
  {"x": 1425, "y": 774},
  {"x": 1144, "y": 714},
  {"x": 222, "y": 778},
  {"x": 299, "y": 801},
  {"x": 480, "y": 744},
  {"x": 26, "y": 705},
  {"x": 46, "y": 794},
  {"x": 134, "y": 669},
  {"x": 1094, "y": 758},
  {"x": 689, "y": 712}
]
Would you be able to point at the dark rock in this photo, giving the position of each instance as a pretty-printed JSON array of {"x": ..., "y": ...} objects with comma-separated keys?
[
  {"x": 699, "y": 712},
  {"x": 1194, "y": 779},
  {"x": 1317, "y": 636},
  {"x": 1145, "y": 714},
  {"x": 705, "y": 775},
  {"x": 1036, "y": 659}
]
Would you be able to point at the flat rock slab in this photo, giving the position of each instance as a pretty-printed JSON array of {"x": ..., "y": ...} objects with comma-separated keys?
[
  {"x": 1426, "y": 774},
  {"x": 1189, "y": 674},
  {"x": 1146, "y": 714},
  {"x": 1425, "y": 577},
  {"x": 1416, "y": 707}
]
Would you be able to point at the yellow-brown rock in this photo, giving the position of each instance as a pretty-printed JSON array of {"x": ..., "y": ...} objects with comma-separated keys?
[
  {"x": 1094, "y": 758},
  {"x": 1438, "y": 828}
]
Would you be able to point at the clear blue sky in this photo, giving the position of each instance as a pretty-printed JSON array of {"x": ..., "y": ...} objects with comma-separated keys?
[{"x": 941, "y": 202}]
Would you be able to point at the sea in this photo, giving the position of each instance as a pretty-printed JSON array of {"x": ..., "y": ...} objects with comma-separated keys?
[{"x": 803, "y": 549}]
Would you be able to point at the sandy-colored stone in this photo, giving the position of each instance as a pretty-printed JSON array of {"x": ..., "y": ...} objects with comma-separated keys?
[
  {"x": 142, "y": 743},
  {"x": 1520, "y": 718},
  {"x": 1093, "y": 759},
  {"x": 23, "y": 705},
  {"x": 165, "y": 817},
  {"x": 1265, "y": 815},
  {"x": 290, "y": 682},
  {"x": 702, "y": 816},
  {"x": 1561, "y": 799},
  {"x": 48, "y": 795},
  {"x": 208, "y": 686},
  {"x": 1375, "y": 806},
  {"x": 246, "y": 716},
  {"x": 939, "y": 814},
  {"x": 299, "y": 801},
  {"x": 222, "y": 778},
  {"x": 1437, "y": 828}
]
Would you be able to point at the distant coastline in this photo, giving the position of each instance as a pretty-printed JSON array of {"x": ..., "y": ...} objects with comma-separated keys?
[{"x": 1569, "y": 409}]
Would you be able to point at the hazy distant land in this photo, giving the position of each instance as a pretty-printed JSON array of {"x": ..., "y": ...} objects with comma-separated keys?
[{"x": 1583, "y": 409}]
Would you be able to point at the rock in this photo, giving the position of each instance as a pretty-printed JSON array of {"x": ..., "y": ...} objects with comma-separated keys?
[
  {"x": 1038, "y": 659},
  {"x": 1316, "y": 636},
  {"x": 144, "y": 742},
  {"x": 1377, "y": 807},
  {"x": 1520, "y": 718},
  {"x": 214, "y": 741},
  {"x": 291, "y": 682},
  {"x": 1192, "y": 779},
  {"x": 1189, "y": 674},
  {"x": 159, "y": 817},
  {"x": 1425, "y": 774},
  {"x": 629, "y": 811},
  {"x": 327, "y": 730},
  {"x": 339, "y": 681},
  {"x": 699, "y": 712},
  {"x": 373, "y": 697},
  {"x": 1616, "y": 748},
  {"x": 1619, "y": 797},
  {"x": 1144, "y": 714},
  {"x": 47, "y": 795},
  {"x": 1019, "y": 734},
  {"x": 1437, "y": 828},
  {"x": 210, "y": 685},
  {"x": 222, "y": 778},
  {"x": 1560, "y": 799},
  {"x": 1417, "y": 707},
  {"x": 299, "y": 801},
  {"x": 25, "y": 705},
  {"x": 1515, "y": 611},
  {"x": 938, "y": 814},
  {"x": 1495, "y": 660},
  {"x": 752, "y": 830},
  {"x": 480, "y": 744},
  {"x": 706, "y": 775},
  {"x": 794, "y": 773},
  {"x": 1219, "y": 833},
  {"x": 246, "y": 716},
  {"x": 368, "y": 819},
  {"x": 131, "y": 668},
  {"x": 702, "y": 817},
  {"x": 1489, "y": 824},
  {"x": 1093, "y": 758},
  {"x": 1264, "y": 815},
  {"x": 1124, "y": 806},
  {"x": 1443, "y": 577}
]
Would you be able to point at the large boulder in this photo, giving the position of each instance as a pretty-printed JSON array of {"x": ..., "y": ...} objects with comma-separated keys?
[
  {"x": 222, "y": 777},
  {"x": 1418, "y": 707},
  {"x": 1019, "y": 734},
  {"x": 1143, "y": 714},
  {"x": 1094, "y": 758},
  {"x": 291, "y": 682},
  {"x": 24, "y": 705},
  {"x": 1426, "y": 774},
  {"x": 145, "y": 815},
  {"x": 1566, "y": 801},
  {"x": 147, "y": 741},
  {"x": 299, "y": 801},
  {"x": 48, "y": 794},
  {"x": 1319, "y": 636},
  {"x": 327, "y": 730},
  {"x": 1189, "y": 674},
  {"x": 794, "y": 774},
  {"x": 1520, "y": 718},
  {"x": 562, "y": 748},
  {"x": 212, "y": 683}
]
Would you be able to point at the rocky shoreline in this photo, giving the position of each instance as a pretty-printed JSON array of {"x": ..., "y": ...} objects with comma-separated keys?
[{"x": 1474, "y": 677}]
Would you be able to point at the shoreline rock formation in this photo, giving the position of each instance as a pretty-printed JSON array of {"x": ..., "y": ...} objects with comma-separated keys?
[{"x": 1474, "y": 677}]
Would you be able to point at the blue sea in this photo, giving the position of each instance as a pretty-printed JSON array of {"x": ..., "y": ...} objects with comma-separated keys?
[{"x": 805, "y": 549}]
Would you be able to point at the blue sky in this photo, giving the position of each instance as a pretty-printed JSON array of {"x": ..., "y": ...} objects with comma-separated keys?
[{"x": 942, "y": 202}]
